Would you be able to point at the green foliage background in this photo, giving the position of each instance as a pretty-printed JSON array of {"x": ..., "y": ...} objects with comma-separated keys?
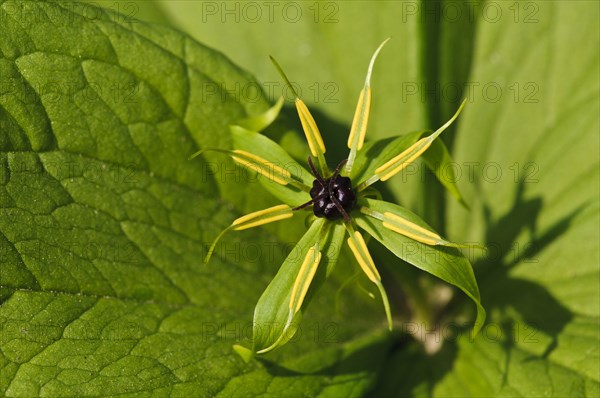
[{"x": 104, "y": 223}]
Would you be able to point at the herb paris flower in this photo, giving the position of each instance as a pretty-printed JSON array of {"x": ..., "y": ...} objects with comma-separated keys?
[{"x": 343, "y": 202}]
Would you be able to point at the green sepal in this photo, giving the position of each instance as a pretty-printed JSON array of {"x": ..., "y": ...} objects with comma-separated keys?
[
  {"x": 272, "y": 327},
  {"x": 376, "y": 153},
  {"x": 266, "y": 148},
  {"x": 447, "y": 263},
  {"x": 437, "y": 159}
]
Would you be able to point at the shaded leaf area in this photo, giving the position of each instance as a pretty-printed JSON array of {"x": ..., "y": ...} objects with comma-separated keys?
[
  {"x": 530, "y": 173},
  {"x": 104, "y": 222},
  {"x": 324, "y": 49}
]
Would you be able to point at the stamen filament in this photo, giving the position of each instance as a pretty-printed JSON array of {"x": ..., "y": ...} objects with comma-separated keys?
[{"x": 335, "y": 200}]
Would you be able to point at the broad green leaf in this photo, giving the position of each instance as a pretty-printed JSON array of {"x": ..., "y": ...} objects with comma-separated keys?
[
  {"x": 447, "y": 263},
  {"x": 104, "y": 222},
  {"x": 274, "y": 324},
  {"x": 539, "y": 278},
  {"x": 491, "y": 365},
  {"x": 129, "y": 12}
]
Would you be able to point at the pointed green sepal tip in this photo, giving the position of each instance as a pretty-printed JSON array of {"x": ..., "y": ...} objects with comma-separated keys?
[
  {"x": 196, "y": 154},
  {"x": 245, "y": 353},
  {"x": 479, "y": 321},
  {"x": 262, "y": 121},
  {"x": 283, "y": 75}
]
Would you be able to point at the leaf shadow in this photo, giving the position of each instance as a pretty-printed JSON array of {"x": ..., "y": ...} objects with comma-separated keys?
[
  {"x": 502, "y": 293},
  {"x": 359, "y": 362},
  {"x": 412, "y": 371},
  {"x": 537, "y": 307}
]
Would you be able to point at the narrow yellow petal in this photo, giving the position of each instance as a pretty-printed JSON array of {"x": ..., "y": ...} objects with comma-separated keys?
[
  {"x": 275, "y": 213},
  {"x": 311, "y": 131},
  {"x": 304, "y": 279},
  {"x": 262, "y": 166},
  {"x": 359, "y": 249},
  {"x": 410, "y": 229}
]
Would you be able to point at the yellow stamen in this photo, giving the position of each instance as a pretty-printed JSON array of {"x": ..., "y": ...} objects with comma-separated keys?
[
  {"x": 361, "y": 119},
  {"x": 399, "y": 162},
  {"x": 262, "y": 166},
  {"x": 272, "y": 214},
  {"x": 359, "y": 249},
  {"x": 410, "y": 229},
  {"x": 311, "y": 131},
  {"x": 304, "y": 279},
  {"x": 395, "y": 165},
  {"x": 358, "y": 131},
  {"x": 363, "y": 108}
]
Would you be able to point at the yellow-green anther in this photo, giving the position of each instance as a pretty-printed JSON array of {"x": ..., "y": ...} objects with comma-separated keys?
[
  {"x": 311, "y": 131},
  {"x": 411, "y": 230},
  {"x": 304, "y": 279},
  {"x": 358, "y": 131},
  {"x": 361, "y": 253},
  {"x": 359, "y": 249},
  {"x": 261, "y": 217},
  {"x": 399, "y": 162},
  {"x": 262, "y": 166}
]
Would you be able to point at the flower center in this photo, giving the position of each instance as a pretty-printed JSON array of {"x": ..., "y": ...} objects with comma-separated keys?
[{"x": 324, "y": 199}]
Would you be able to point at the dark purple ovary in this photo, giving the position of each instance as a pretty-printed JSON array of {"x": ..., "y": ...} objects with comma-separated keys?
[{"x": 341, "y": 190}]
